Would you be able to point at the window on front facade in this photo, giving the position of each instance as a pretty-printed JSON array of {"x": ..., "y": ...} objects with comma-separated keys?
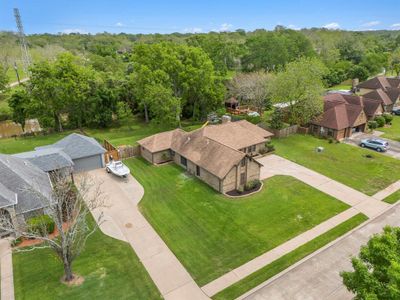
[
  {"x": 249, "y": 149},
  {"x": 172, "y": 153},
  {"x": 197, "y": 170},
  {"x": 253, "y": 148},
  {"x": 243, "y": 162},
  {"x": 242, "y": 178},
  {"x": 183, "y": 161},
  {"x": 330, "y": 132}
]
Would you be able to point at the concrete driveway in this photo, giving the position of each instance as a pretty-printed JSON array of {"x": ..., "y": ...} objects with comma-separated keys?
[
  {"x": 355, "y": 140},
  {"x": 124, "y": 221},
  {"x": 317, "y": 277}
]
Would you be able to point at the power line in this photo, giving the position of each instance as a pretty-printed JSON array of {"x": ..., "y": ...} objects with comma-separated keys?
[{"x": 26, "y": 58}]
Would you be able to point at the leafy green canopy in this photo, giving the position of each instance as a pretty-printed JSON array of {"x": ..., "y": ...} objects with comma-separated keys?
[
  {"x": 376, "y": 272},
  {"x": 171, "y": 80}
]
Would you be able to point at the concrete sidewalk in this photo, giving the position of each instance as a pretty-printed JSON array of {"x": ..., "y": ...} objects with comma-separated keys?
[
  {"x": 125, "y": 222},
  {"x": 317, "y": 276},
  {"x": 387, "y": 191},
  {"x": 6, "y": 266},
  {"x": 276, "y": 165},
  {"x": 261, "y": 261}
]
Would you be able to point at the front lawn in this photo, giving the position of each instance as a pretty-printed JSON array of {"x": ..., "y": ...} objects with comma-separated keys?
[
  {"x": 110, "y": 267},
  {"x": 392, "y": 132},
  {"x": 289, "y": 259},
  {"x": 212, "y": 234},
  {"x": 344, "y": 163}
]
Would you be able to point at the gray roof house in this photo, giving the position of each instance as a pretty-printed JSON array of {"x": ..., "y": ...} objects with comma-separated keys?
[
  {"x": 48, "y": 159},
  {"x": 85, "y": 152},
  {"x": 25, "y": 189}
]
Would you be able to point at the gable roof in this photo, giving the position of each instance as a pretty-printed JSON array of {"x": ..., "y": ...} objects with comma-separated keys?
[
  {"x": 211, "y": 155},
  {"x": 378, "y": 82},
  {"x": 380, "y": 95},
  {"x": 215, "y": 148},
  {"x": 32, "y": 185},
  {"x": 340, "y": 111},
  {"x": 48, "y": 159},
  {"x": 77, "y": 146},
  {"x": 7, "y": 197}
]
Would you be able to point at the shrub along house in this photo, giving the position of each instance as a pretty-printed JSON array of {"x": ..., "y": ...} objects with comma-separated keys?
[
  {"x": 220, "y": 155},
  {"x": 344, "y": 115},
  {"x": 383, "y": 89}
]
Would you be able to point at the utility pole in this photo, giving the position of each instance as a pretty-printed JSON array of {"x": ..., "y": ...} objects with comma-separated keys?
[{"x": 26, "y": 58}]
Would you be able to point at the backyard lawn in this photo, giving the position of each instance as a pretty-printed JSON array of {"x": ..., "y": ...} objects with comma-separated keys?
[
  {"x": 110, "y": 267},
  {"x": 126, "y": 134},
  {"x": 392, "y": 132},
  {"x": 212, "y": 234},
  {"x": 344, "y": 163}
]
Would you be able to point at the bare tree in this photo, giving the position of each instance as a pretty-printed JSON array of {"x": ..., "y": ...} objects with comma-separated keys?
[
  {"x": 252, "y": 88},
  {"x": 69, "y": 208}
]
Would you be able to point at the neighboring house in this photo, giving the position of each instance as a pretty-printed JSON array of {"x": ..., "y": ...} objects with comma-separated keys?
[
  {"x": 25, "y": 190},
  {"x": 85, "y": 152},
  {"x": 345, "y": 115},
  {"x": 381, "y": 88},
  {"x": 49, "y": 160},
  {"x": 220, "y": 155}
]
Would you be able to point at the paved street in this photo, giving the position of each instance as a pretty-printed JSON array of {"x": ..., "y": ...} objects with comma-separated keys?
[
  {"x": 318, "y": 277},
  {"x": 394, "y": 150}
]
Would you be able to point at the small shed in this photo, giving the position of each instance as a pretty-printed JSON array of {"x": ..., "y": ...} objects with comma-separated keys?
[{"x": 232, "y": 103}]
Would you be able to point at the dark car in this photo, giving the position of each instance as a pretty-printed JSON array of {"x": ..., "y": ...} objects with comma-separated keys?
[{"x": 396, "y": 111}]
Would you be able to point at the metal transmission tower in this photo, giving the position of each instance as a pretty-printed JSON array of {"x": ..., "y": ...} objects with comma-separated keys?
[{"x": 26, "y": 58}]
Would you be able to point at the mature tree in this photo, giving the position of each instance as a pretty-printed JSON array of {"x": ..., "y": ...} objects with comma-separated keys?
[
  {"x": 374, "y": 62},
  {"x": 3, "y": 78},
  {"x": 394, "y": 61},
  {"x": 252, "y": 89},
  {"x": 359, "y": 72},
  {"x": 223, "y": 52},
  {"x": 69, "y": 207},
  {"x": 300, "y": 85},
  {"x": 376, "y": 272},
  {"x": 271, "y": 50},
  {"x": 20, "y": 104},
  {"x": 186, "y": 71}
]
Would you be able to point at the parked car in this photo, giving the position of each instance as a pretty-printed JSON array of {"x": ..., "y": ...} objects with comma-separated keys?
[
  {"x": 396, "y": 111},
  {"x": 376, "y": 144}
]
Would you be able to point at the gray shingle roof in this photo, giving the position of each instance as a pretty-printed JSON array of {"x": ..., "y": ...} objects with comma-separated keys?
[
  {"x": 48, "y": 159},
  {"x": 77, "y": 146},
  {"x": 31, "y": 184},
  {"x": 7, "y": 197}
]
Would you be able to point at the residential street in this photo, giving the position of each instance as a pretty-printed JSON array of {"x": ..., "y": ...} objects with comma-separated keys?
[
  {"x": 318, "y": 277},
  {"x": 394, "y": 150}
]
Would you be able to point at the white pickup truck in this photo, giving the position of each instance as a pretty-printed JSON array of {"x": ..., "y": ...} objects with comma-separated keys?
[{"x": 117, "y": 168}]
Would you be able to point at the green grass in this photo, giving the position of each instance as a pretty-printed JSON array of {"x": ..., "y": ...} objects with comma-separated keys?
[
  {"x": 340, "y": 87},
  {"x": 127, "y": 134},
  {"x": 392, "y": 132},
  {"x": 393, "y": 198},
  {"x": 289, "y": 259},
  {"x": 110, "y": 268},
  {"x": 212, "y": 234},
  {"x": 344, "y": 163}
]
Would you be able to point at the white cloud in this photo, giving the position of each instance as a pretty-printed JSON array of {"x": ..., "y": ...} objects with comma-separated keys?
[
  {"x": 193, "y": 30},
  {"x": 395, "y": 26},
  {"x": 332, "y": 26},
  {"x": 74, "y": 30},
  {"x": 119, "y": 24},
  {"x": 294, "y": 27},
  {"x": 225, "y": 27},
  {"x": 371, "y": 24}
]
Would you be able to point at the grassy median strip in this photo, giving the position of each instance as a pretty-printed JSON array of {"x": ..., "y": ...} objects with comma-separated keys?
[
  {"x": 393, "y": 198},
  {"x": 289, "y": 259}
]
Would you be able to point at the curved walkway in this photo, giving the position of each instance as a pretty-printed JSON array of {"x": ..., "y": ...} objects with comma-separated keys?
[
  {"x": 125, "y": 222},
  {"x": 6, "y": 266}
]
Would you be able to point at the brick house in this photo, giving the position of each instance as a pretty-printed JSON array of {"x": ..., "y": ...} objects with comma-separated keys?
[
  {"x": 220, "y": 155},
  {"x": 345, "y": 115}
]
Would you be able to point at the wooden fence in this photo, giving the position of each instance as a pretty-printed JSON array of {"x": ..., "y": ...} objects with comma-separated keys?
[
  {"x": 284, "y": 132},
  {"x": 119, "y": 153}
]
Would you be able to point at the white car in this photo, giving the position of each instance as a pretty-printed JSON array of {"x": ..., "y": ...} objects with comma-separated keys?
[{"x": 117, "y": 168}]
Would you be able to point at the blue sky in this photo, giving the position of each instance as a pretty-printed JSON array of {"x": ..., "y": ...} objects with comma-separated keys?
[{"x": 149, "y": 16}]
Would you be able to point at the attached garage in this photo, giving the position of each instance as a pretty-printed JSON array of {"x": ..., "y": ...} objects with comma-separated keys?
[{"x": 86, "y": 153}]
